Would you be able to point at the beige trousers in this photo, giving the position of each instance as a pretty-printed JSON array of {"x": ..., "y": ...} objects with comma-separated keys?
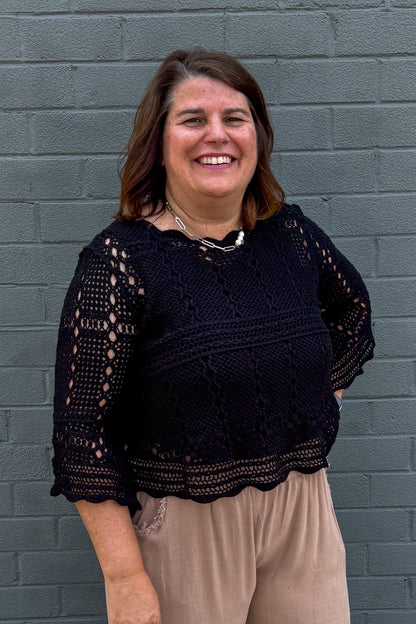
[{"x": 274, "y": 557}]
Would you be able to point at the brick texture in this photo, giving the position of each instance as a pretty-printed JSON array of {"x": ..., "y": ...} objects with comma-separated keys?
[
  {"x": 4, "y": 418},
  {"x": 9, "y": 39},
  {"x": 30, "y": 425},
  {"x": 99, "y": 86},
  {"x": 372, "y": 593},
  {"x": 282, "y": 35},
  {"x": 34, "y": 7},
  {"x": 69, "y": 38},
  {"x": 375, "y": 33},
  {"x": 32, "y": 534},
  {"x": 14, "y": 133},
  {"x": 23, "y": 462},
  {"x": 339, "y": 77},
  {"x": 398, "y": 80},
  {"x": 385, "y": 126},
  {"x": 301, "y": 128},
  {"x": 25, "y": 87},
  {"x": 326, "y": 81},
  {"x": 63, "y": 568},
  {"x": 171, "y": 31},
  {"x": 6, "y": 506},
  {"x": 18, "y": 223},
  {"x": 74, "y": 133}
]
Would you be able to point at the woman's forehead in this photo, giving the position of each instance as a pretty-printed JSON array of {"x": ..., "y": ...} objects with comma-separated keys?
[{"x": 202, "y": 92}]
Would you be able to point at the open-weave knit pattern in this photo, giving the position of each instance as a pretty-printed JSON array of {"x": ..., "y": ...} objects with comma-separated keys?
[{"x": 192, "y": 372}]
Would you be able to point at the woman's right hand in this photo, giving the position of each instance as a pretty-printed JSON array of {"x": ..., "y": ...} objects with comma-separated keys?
[
  {"x": 132, "y": 600},
  {"x": 131, "y": 597}
]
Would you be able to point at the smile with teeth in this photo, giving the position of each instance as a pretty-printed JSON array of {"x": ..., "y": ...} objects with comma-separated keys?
[{"x": 212, "y": 160}]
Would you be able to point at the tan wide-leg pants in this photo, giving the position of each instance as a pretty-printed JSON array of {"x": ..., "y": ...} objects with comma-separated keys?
[{"x": 274, "y": 557}]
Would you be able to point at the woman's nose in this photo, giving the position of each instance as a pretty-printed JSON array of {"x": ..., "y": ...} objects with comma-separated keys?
[{"x": 216, "y": 132}]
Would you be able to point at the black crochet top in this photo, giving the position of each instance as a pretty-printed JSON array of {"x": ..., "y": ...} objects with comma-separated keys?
[{"x": 192, "y": 372}]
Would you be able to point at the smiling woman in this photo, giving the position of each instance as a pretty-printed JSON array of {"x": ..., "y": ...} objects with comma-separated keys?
[
  {"x": 176, "y": 91},
  {"x": 209, "y": 122},
  {"x": 202, "y": 340}
]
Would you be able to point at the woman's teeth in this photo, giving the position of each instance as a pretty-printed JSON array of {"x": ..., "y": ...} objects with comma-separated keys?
[{"x": 219, "y": 160}]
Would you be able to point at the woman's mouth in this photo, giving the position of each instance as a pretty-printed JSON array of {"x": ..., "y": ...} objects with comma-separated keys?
[{"x": 215, "y": 160}]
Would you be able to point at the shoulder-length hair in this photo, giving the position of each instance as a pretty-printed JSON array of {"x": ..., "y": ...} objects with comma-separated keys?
[{"x": 142, "y": 175}]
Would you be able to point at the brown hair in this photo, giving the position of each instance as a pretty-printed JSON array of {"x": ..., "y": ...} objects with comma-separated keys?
[{"x": 142, "y": 175}]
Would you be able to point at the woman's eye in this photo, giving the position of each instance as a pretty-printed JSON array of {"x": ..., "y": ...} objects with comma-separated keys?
[
  {"x": 233, "y": 120},
  {"x": 193, "y": 120}
]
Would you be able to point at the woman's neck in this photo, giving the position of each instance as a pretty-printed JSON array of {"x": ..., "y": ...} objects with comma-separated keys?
[{"x": 214, "y": 220}]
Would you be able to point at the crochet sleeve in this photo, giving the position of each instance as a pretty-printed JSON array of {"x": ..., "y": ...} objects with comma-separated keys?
[
  {"x": 96, "y": 342},
  {"x": 345, "y": 308}
]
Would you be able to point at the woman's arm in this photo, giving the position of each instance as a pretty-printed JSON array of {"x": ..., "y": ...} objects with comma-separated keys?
[
  {"x": 97, "y": 340},
  {"x": 345, "y": 307},
  {"x": 131, "y": 597}
]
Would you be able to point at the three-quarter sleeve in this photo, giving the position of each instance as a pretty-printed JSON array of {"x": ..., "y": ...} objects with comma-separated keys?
[
  {"x": 96, "y": 342},
  {"x": 345, "y": 308}
]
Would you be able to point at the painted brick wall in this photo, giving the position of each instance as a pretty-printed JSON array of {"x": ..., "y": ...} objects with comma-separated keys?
[{"x": 340, "y": 80}]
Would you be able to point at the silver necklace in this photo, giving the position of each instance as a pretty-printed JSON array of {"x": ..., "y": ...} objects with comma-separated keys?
[{"x": 181, "y": 225}]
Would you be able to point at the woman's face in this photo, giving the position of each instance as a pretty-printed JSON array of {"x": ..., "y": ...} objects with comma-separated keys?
[{"x": 209, "y": 142}]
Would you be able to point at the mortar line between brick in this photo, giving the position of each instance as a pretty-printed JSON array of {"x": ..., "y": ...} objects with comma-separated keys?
[
  {"x": 30, "y": 116},
  {"x": 376, "y": 256},
  {"x": 108, "y": 15},
  {"x": 60, "y": 600},
  {"x": 73, "y": 102},
  {"x": 124, "y": 39},
  {"x": 36, "y": 215},
  {"x": 67, "y": 62},
  {"x": 224, "y": 29},
  {"x": 20, "y": 36},
  {"x": 332, "y": 32},
  {"x": 47, "y": 387},
  {"x": 13, "y": 498},
  {"x": 413, "y": 449},
  {"x": 281, "y": 7},
  {"x": 378, "y": 81},
  {"x": 331, "y": 128},
  {"x": 408, "y": 584},
  {"x": 367, "y": 558},
  {"x": 263, "y": 57},
  {"x": 18, "y": 558}
]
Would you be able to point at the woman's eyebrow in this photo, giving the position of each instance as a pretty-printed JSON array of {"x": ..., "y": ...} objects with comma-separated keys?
[
  {"x": 227, "y": 111},
  {"x": 242, "y": 111},
  {"x": 190, "y": 111}
]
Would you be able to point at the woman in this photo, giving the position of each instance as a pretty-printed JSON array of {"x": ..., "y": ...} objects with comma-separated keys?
[{"x": 201, "y": 343}]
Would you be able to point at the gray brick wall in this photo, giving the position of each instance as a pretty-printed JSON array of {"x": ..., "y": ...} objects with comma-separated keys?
[{"x": 340, "y": 80}]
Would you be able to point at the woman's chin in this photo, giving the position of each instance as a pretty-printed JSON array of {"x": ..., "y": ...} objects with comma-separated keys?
[{"x": 219, "y": 191}]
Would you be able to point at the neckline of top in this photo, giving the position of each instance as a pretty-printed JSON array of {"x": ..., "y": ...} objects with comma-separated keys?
[{"x": 171, "y": 233}]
